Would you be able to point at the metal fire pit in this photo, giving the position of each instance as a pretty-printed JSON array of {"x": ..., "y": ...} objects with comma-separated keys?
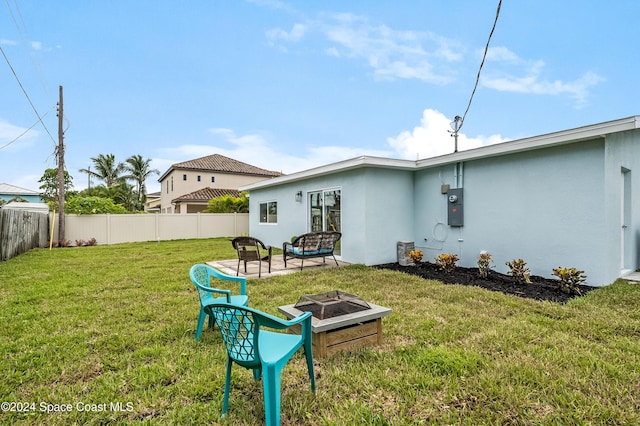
[
  {"x": 331, "y": 304},
  {"x": 349, "y": 322}
]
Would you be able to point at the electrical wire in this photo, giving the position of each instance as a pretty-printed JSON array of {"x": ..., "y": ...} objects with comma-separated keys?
[
  {"x": 24, "y": 133},
  {"x": 26, "y": 94},
  {"x": 24, "y": 34},
  {"x": 486, "y": 49}
]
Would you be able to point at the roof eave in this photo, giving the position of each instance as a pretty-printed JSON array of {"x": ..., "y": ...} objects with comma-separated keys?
[
  {"x": 341, "y": 166},
  {"x": 564, "y": 137}
]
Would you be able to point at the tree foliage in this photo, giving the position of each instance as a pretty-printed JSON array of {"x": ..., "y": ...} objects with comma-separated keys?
[
  {"x": 139, "y": 170},
  {"x": 93, "y": 205},
  {"x": 115, "y": 174},
  {"x": 106, "y": 169},
  {"x": 49, "y": 187},
  {"x": 229, "y": 204}
]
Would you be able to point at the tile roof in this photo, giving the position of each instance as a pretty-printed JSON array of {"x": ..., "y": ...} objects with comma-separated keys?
[
  {"x": 220, "y": 163},
  {"x": 205, "y": 194}
]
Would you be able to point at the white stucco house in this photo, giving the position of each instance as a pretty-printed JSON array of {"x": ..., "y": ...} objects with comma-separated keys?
[{"x": 568, "y": 199}]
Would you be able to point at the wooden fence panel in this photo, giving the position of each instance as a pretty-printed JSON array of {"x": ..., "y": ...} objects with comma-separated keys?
[{"x": 20, "y": 231}]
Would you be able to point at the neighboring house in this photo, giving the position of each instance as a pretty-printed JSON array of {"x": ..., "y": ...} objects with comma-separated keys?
[
  {"x": 567, "y": 199},
  {"x": 186, "y": 186},
  {"x": 15, "y": 193},
  {"x": 198, "y": 201},
  {"x": 152, "y": 204}
]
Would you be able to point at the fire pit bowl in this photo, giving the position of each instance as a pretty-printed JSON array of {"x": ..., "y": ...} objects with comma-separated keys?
[{"x": 331, "y": 304}]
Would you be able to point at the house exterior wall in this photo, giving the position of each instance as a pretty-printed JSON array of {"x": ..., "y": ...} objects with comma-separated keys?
[
  {"x": 370, "y": 198},
  {"x": 544, "y": 206},
  {"x": 27, "y": 197},
  {"x": 622, "y": 155},
  {"x": 191, "y": 184},
  {"x": 568, "y": 199}
]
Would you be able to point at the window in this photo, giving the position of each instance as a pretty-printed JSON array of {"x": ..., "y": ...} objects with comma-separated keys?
[
  {"x": 213, "y": 179},
  {"x": 184, "y": 177},
  {"x": 171, "y": 183},
  {"x": 269, "y": 212},
  {"x": 198, "y": 178}
]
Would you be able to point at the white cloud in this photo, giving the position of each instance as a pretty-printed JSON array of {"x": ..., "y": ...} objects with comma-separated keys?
[
  {"x": 36, "y": 45},
  {"x": 527, "y": 78},
  {"x": 14, "y": 138},
  {"x": 500, "y": 53},
  {"x": 277, "y": 35},
  {"x": 433, "y": 137},
  {"x": 392, "y": 54},
  {"x": 257, "y": 150}
]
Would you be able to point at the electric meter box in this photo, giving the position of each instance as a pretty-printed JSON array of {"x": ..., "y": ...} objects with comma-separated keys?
[{"x": 455, "y": 207}]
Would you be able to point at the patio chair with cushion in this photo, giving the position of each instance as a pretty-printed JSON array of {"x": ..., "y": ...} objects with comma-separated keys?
[
  {"x": 251, "y": 250},
  {"x": 311, "y": 245},
  {"x": 201, "y": 276},
  {"x": 264, "y": 351}
]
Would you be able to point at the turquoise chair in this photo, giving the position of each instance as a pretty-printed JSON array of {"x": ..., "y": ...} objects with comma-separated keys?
[
  {"x": 201, "y": 276},
  {"x": 265, "y": 352}
]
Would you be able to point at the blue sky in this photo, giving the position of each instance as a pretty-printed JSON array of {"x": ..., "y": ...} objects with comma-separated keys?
[{"x": 292, "y": 85}]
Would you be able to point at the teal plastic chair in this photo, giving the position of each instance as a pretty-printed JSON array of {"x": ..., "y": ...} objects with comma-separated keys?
[
  {"x": 201, "y": 276},
  {"x": 266, "y": 352}
]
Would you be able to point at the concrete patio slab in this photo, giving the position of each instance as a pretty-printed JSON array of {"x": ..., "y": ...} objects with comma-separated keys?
[
  {"x": 277, "y": 266},
  {"x": 634, "y": 276}
]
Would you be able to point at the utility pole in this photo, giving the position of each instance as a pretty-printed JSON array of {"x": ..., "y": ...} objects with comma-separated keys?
[
  {"x": 61, "y": 180},
  {"x": 457, "y": 123}
]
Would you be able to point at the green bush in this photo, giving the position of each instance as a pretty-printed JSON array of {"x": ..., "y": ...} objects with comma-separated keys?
[
  {"x": 447, "y": 261},
  {"x": 518, "y": 269},
  {"x": 570, "y": 279},
  {"x": 93, "y": 205},
  {"x": 484, "y": 264}
]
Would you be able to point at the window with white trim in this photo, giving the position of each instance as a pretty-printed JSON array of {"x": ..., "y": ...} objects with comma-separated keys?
[{"x": 269, "y": 212}]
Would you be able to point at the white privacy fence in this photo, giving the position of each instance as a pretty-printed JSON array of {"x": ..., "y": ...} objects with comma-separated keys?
[{"x": 125, "y": 228}]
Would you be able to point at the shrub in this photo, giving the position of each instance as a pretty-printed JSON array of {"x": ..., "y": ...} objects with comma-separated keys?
[
  {"x": 64, "y": 243},
  {"x": 447, "y": 261},
  {"x": 92, "y": 242},
  {"x": 570, "y": 279},
  {"x": 80, "y": 243},
  {"x": 484, "y": 264},
  {"x": 93, "y": 205},
  {"x": 416, "y": 256},
  {"x": 518, "y": 270}
]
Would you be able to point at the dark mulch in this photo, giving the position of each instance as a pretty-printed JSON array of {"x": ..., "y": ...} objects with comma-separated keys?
[{"x": 540, "y": 288}]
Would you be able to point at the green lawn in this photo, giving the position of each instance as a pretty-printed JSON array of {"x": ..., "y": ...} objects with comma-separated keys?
[{"x": 93, "y": 327}]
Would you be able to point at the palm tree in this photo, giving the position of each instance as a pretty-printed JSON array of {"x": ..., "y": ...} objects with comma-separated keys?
[
  {"x": 107, "y": 170},
  {"x": 139, "y": 170}
]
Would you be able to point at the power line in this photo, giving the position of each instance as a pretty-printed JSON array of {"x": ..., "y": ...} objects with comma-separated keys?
[
  {"x": 486, "y": 49},
  {"x": 23, "y": 133},
  {"x": 22, "y": 33},
  {"x": 26, "y": 95}
]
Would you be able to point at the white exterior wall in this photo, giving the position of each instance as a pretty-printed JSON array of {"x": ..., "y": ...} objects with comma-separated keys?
[
  {"x": 378, "y": 199},
  {"x": 544, "y": 206},
  {"x": 622, "y": 151},
  {"x": 553, "y": 200}
]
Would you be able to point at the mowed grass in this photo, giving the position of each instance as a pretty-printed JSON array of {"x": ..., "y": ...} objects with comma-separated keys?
[{"x": 107, "y": 332}]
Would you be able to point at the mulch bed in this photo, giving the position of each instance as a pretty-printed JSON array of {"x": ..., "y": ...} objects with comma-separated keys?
[{"x": 540, "y": 288}]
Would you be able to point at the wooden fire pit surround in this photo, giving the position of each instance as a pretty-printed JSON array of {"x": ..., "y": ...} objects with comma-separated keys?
[{"x": 353, "y": 323}]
